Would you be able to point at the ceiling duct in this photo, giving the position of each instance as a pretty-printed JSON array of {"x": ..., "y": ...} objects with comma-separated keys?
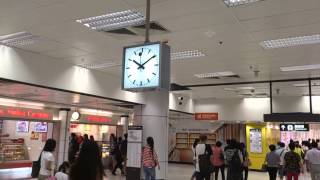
[{"x": 292, "y": 117}]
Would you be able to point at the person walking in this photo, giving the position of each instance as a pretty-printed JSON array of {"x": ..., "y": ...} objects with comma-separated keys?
[
  {"x": 234, "y": 160},
  {"x": 218, "y": 160},
  {"x": 150, "y": 160},
  {"x": 118, "y": 157},
  {"x": 47, "y": 160},
  {"x": 73, "y": 148},
  {"x": 281, "y": 152},
  {"x": 124, "y": 149},
  {"x": 272, "y": 160},
  {"x": 313, "y": 161},
  {"x": 203, "y": 150},
  {"x": 195, "y": 143},
  {"x": 246, "y": 161},
  {"x": 88, "y": 165},
  {"x": 292, "y": 163}
]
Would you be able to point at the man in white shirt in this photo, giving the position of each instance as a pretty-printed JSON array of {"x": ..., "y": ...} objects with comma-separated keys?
[
  {"x": 313, "y": 161},
  {"x": 281, "y": 152},
  {"x": 201, "y": 149}
]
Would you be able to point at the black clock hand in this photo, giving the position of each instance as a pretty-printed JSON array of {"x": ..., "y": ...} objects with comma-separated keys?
[
  {"x": 140, "y": 66},
  {"x": 147, "y": 61}
]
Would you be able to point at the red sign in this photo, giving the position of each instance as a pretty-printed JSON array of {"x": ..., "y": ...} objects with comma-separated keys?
[
  {"x": 206, "y": 116},
  {"x": 97, "y": 119},
  {"x": 14, "y": 112}
]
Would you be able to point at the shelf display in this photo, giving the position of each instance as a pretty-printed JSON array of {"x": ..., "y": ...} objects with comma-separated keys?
[
  {"x": 185, "y": 140},
  {"x": 12, "y": 150}
]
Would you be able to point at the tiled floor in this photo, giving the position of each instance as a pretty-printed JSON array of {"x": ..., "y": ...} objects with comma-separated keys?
[{"x": 176, "y": 172}]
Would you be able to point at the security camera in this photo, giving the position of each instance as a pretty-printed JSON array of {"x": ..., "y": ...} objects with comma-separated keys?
[{"x": 180, "y": 98}]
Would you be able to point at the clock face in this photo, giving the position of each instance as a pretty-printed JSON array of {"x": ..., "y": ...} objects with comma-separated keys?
[{"x": 141, "y": 67}]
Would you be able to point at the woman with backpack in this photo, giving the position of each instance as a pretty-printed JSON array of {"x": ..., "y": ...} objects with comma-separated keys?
[
  {"x": 150, "y": 160},
  {"x": 218, "y": 160},
  {"x": 203, "y": 152}
]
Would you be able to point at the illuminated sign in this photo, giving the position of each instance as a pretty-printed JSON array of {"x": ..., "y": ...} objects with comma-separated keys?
[
  {"x": 14, "y": 112},
  {"x": 206, "y": 116},
  {"x": 294, "y": 127},
  {"x": 97, "y": 119}
]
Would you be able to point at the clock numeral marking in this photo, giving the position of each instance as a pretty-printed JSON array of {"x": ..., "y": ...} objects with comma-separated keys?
[
  {"x": 130, "y": 59},
  {"x": 140, "y": 83},
  {"x": 129, "y": 76},
  {"x": 135, "y": 53},
  {"x": 148, "y": 80},
  {"x": 134, "y": 81},
  {"x": 149, "y": 51},
  {"x": 128, "y": 68},
  {"x": 154, "y": 74},
  {"x": 142, "y": 49},
  {"x": 156, "y": 65}
]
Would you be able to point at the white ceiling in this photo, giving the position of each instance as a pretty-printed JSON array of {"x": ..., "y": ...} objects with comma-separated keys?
[{"x": 239, "y": 28}]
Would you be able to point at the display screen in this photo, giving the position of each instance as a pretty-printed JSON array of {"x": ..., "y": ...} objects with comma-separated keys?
[
  {"x": 41, "y": 127},
  {"x": 22, "y": 126}
]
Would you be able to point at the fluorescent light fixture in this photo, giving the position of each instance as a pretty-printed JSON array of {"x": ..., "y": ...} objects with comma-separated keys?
[
  {"x": 239, "y": 89},
  {"x": 186, "y": 54},
  {"x": 301, "y": 68},
  {"x": 232, "y": 3},
  {"x": 23, "y": 104},
  {"x": 95, "y": 112},
  {"x": 113, "y": 21},
  {"x": 288, "y": 42},
  {"x": 306, "y": 84},
  {"x": 216, "y": 74},
  {"x": 18, "y": 39},
  {"x": 101, "y": 65}
]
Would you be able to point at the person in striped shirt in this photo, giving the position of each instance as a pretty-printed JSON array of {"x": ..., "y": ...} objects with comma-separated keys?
[{"x": 149, "y": 160}]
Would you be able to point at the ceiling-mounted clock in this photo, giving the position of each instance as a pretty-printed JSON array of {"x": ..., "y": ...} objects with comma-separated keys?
[{"x": 144, "y": 66}]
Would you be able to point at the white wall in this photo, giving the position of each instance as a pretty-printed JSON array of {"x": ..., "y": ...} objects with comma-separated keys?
[
  {"x": 42, "y": 70},
  {"x": 252, "y": 109}
]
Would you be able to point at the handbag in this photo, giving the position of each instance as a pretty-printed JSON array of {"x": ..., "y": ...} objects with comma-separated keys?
[
  {"x": 36, "y": 165},
  {"x": 264, "y": 167},
  {"x": 205, "y": 165}
]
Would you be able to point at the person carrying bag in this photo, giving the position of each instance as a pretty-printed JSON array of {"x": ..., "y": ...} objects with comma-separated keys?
[{"x": 203, "y": 153}]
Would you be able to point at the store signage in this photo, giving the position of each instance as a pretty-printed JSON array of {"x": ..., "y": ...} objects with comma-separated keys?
[
  {"x": 206, "y": 116},
  {"x": 97, "y": 119},
  {"x": 14, "y": 112},
  {"x": 294, "y": 127}
]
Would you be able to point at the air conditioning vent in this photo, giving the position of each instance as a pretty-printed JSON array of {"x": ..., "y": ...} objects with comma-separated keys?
[
  {"x": 222, "y": 77},
  {"x": 124, "y": 31}
]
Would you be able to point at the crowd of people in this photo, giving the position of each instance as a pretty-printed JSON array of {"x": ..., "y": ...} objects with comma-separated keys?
[
  {"x": 283, "y": 161},
  {"x": 293, "y": 160},
  {"x": 85, "y": 159},
  {"x": 208, "y": 161}
]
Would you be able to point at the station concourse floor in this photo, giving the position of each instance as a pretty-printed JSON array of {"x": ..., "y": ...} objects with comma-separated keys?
[{"x": 176, "y": 172}]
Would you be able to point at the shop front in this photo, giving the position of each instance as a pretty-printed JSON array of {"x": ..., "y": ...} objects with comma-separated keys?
[
  {"x": 100, "y": 127},
  {"x": 23, "y": 133}
]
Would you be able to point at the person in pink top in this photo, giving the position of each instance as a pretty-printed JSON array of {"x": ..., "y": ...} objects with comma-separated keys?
[{"x": 217, "y": 160}]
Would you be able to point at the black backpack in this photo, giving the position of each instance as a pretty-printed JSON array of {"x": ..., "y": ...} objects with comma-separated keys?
[
  {"x": 205, "y": 165},
  {"x": 235, "y": 162}
]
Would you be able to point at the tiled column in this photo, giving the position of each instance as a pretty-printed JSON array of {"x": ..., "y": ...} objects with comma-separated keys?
[{"x": 64, "y": 137}]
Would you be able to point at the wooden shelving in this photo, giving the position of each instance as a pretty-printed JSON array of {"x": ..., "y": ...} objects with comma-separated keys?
[{"x": 185, "y": 140}]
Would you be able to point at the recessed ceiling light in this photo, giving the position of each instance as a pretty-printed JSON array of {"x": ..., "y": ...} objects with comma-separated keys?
[
  {"x": 232, "y": 3},
  {"x": 186, "y": 54},
  {"x": 102, "y": 65},
  {"x": 113, "y": 21},
  {"x": 301, "y": 68},
  {"x": 216, "y": 74},
  {"x": 288, "y": 42},
  {"x": 18, "y": 39}
]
